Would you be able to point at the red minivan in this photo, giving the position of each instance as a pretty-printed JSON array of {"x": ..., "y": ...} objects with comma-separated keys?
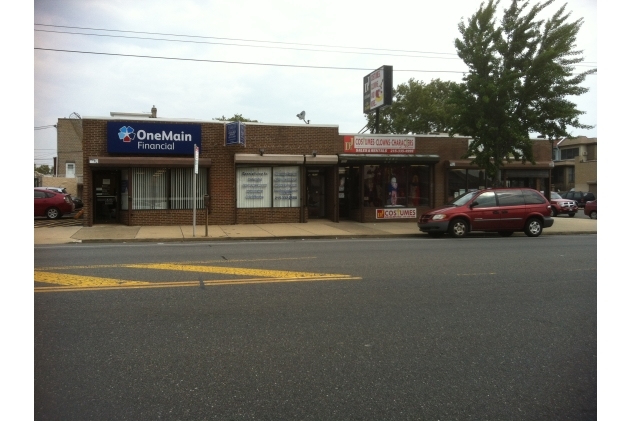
[{"x": 502, "y": 210}]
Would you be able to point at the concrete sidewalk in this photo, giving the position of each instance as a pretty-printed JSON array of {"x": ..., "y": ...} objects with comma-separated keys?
[{"x": 312, "y": 229}]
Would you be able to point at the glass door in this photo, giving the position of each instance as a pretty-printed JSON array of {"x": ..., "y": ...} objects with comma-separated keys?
[{"x": 106, "y": 197}]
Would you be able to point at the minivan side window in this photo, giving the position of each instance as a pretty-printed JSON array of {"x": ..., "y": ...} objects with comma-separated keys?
[
  {"x": 510, "y": 198},
  {"x": 532, "y": 198},
  {"x": 486, "y": 200}
]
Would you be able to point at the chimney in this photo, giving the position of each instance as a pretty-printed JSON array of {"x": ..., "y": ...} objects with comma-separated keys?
[{"x": 154, "y": 112}]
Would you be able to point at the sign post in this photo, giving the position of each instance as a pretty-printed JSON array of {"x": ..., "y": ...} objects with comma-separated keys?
[{"x": 195, "y": 187}]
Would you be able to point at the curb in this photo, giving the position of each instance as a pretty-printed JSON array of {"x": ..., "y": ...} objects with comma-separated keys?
[{"x": 311, "y": 237}]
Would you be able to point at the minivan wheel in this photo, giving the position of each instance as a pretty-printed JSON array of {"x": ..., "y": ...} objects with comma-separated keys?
[
  {"x": 554, "y": 212},
  {"x": 53, "y": 213},
  {"x": 458, "y": 228},
  {"x": 533, "y": 227},
  {"x": 592, "y": 214}
]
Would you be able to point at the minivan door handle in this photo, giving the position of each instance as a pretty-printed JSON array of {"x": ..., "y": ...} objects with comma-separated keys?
[
  {"x": 495, "y": 212},
  {"x": 504, "y": 211}
]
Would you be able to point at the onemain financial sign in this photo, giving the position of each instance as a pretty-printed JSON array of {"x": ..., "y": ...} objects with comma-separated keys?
[{"x": 152, "y": 138}]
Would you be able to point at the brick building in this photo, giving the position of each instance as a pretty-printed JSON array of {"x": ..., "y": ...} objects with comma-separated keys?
[{"x": 138, "y": 170}]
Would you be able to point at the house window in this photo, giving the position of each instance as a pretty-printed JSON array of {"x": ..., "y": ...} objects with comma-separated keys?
[
  {"x": 70, "y": 170},
  {"x": 570, "y": 174},
  {"x": 569, "y": 153}
]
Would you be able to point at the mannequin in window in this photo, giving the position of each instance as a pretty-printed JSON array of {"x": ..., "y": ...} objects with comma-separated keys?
[{"x": 392, "y": 191}]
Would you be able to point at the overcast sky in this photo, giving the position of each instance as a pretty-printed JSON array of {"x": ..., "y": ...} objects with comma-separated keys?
[{"x": 265, "y": 60}]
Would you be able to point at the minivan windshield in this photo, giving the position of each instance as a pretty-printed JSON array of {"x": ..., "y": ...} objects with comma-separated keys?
[{"x": 461, "y": 200}]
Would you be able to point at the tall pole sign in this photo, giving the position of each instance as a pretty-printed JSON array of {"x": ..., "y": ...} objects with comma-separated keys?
[{"x": 377, "y": 91}]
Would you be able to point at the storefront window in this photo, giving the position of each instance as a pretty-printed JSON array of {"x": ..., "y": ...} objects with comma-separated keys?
[
  {"x": 286, "y": 187},
  {"x": 462, "y": 181},
  {"x": 396, "y": 185},
  {"x": 164, "y": 188},
  {"x": 264, "y": 187}
]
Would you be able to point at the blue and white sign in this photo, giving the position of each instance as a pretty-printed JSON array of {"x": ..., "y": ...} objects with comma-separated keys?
[
  {"x": 235, "y": 133},
  {"x": 152, "y": 138}
]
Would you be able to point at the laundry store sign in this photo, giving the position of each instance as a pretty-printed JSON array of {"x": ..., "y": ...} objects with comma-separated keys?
[{"x": 152, "y": 138}]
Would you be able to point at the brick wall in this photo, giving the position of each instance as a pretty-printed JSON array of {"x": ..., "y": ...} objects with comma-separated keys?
[
  {"x": 273, "y": 139},
  {"x": 289, "y": 139}
]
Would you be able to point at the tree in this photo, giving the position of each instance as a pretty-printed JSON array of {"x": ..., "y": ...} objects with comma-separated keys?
[
  {"x": 236, "y": 117},
  {"x": 43, "y": 169},
  {"x": 417, "y": 107},
  {"x": 520, "y": 77}
]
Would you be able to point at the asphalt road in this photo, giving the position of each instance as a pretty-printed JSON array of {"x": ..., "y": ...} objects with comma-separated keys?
[{"x": 398, "y": 329}]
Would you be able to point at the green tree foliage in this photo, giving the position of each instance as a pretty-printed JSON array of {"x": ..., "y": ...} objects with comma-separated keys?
[
  {"x": 417, "y": 107},
  {"x": 520, "y": 77},
  {"x": 236, "y": 117},
  {"x": 43, "y": 169}
]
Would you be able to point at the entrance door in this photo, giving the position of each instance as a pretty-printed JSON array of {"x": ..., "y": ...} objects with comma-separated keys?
[
  {"x": 315, "y": 194},
  {"x": 106, "y": 197}
]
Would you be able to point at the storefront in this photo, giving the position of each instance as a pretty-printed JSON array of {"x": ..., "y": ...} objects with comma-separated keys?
[{"x": 140, "y": 171}]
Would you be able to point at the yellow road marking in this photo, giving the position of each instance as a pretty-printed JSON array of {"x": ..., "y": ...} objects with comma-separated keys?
[
  {"x": 144, "y": 285},
  {"x": 83, "y": 281},
  {"x": 475, "y": 274},
  {"x": 235, "y": 271},
  {"x": 229, "y": 262}
]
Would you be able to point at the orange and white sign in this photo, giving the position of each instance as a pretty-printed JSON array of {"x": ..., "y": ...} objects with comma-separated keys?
[
  {"x": 396, "y": 213},
  {"x": 379, "y": 144}
]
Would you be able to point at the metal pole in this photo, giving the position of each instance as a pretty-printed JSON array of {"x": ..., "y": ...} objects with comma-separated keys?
[{"x": 195, "y": 188}]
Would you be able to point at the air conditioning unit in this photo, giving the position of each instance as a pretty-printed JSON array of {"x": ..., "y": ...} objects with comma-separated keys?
[{"x": 584, "y": 153}]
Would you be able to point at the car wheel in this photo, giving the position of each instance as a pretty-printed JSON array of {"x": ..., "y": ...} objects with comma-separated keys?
[
  {"x": 435, "y": 234},
  {"x": 571, "y": 215},
  {"x": 592, "y": 214},
  {"x": 458, "y": 228},
  {"x": 53, "y": 213},
  {"x": 506, "y": 233},
  {"x": 554, "y": 212},
  {"x": 533, "y": 227}
]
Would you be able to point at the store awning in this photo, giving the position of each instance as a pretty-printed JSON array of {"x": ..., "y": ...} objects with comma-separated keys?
[
  {"x": 387, "y": 159},
  {"x": 244, "y": 158},
  {"x": 515, "y": 165},
  {"x": 138, "y": 161},
  {"x": 252, "y": 158}
]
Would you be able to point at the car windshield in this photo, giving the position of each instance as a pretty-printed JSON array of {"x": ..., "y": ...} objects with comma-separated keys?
[
  {"x": 461, "y": 200},
  {"x": 555, "y": 195}
]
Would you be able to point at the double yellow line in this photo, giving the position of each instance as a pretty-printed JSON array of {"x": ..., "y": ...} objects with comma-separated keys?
[{"x": 66, "y": 282}]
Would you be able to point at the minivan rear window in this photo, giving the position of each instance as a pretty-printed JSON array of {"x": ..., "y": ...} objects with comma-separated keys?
[{"x": 532, "y": 198}]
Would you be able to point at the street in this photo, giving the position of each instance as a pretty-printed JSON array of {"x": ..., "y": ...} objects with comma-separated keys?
[{"x": 372, "y": 329}]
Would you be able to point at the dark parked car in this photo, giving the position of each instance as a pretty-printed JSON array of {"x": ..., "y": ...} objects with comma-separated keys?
[
  {"x": 590, "y": 209},
  {"x": 503, "y": 210},
  {"x": 57, "y": 189},
  {"x": 562, "y": 206},
  {"x": 52, "y": 204},
  {"x": 579, "y": 197},
  {"x": 78, "y": 203}
]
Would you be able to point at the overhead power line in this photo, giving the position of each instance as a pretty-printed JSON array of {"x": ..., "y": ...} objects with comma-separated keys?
[
  {"x": 241, "y": 40},
  {"x": 239, "y": 62}
]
